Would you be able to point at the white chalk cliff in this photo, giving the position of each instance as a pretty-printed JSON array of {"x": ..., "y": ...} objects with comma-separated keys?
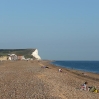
[{"x": 35, "y": 54}]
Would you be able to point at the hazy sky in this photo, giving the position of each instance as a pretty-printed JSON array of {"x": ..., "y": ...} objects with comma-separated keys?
[{"x": 59, "y": 29}]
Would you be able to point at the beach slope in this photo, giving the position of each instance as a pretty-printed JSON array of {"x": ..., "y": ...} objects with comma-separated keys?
[{"x": 42, "y": 80}]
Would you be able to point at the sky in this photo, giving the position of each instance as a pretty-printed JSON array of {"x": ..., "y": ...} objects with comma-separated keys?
[{"x": 59, "y": 29}]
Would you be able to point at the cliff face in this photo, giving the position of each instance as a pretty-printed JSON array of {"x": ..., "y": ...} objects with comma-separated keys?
[{"x": 35, "y": 54}]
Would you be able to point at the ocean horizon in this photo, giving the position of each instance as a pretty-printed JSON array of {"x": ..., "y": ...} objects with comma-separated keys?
[{"x": 87, "y": 66}]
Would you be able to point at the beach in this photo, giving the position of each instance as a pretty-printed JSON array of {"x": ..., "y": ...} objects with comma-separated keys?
[{"x": 42, "y": 80}]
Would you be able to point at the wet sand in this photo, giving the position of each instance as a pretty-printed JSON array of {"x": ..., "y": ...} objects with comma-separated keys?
[{"x": 30, "y": 80}]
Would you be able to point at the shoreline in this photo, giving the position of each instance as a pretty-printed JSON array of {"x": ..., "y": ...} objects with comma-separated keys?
[
  {"x": 32, "y": 80},
  {"x": 83, "y": 74},
  {"x": 82, "y": 70},
  {"x": 79, "y": 72}
]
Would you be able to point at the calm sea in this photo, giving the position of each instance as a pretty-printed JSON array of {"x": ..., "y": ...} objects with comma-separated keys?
[{"x": 90, "y": 66}]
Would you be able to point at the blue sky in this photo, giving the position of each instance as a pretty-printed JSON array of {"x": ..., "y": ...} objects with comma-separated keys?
[{"x": 59, "y": 29}]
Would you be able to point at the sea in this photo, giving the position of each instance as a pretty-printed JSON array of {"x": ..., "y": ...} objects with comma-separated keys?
[{"x": 87, "y": 66}]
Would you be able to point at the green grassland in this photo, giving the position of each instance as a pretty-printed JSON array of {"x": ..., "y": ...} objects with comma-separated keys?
[{"x": 20, "y": 52}]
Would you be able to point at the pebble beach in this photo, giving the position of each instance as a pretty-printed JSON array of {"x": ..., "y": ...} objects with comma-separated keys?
[{"x": 42, "y": 80}]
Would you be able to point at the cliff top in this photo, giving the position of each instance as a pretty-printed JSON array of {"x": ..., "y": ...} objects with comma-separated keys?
[{"x": 20, "y": 52}]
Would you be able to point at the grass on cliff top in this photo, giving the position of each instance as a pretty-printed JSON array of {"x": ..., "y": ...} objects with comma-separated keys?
[{"x": 20, "y": 52}]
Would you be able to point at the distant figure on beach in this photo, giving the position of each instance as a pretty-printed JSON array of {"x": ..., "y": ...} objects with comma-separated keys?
[
  {"x": 84, "y": 74},
  {"x": 60, "y": 70},
  {"x": 44, "y": 67},
  {"x": 84, "y": 86}
]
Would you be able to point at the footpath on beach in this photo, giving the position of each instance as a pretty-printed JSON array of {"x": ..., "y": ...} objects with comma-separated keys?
[{"x": 42, "y": 80}]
